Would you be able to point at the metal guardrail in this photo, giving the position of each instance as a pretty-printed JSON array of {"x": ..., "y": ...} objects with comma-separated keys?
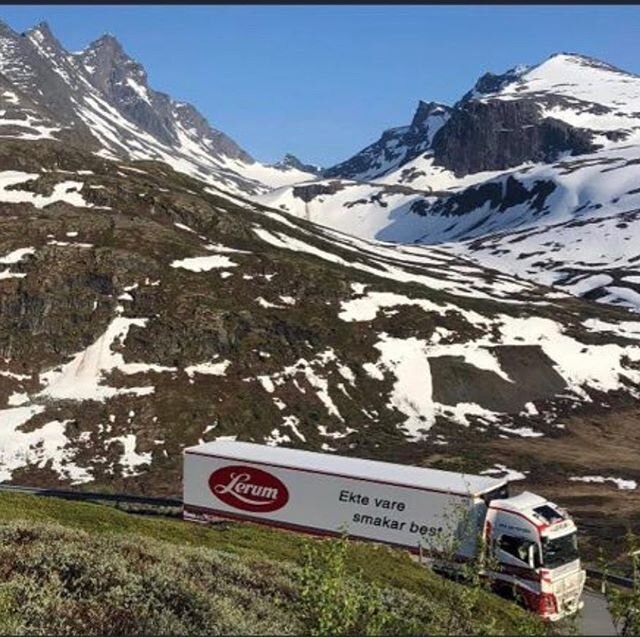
[
  {"x": 618, "y": 580},
  {"x": 92, "y": 496}
]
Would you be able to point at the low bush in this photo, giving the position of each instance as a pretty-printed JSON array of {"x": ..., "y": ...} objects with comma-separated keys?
[{"x": 60, "y": 581}]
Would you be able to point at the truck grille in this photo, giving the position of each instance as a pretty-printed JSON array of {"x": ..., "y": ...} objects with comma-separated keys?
[{"x": 568, "y": 591}]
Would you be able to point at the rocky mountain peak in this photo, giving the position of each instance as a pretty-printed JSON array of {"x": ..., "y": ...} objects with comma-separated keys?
[
  {"x": 571, "y": 75},
  {"x": 291, "y": 161},
  {"x": 6, "y": 30},
  {"x": 396, "y": 146},
  {"x": 123, "y": 81},
  {"x": 426, "y": 110},
  {"x": 42, "y": 31},
  {"x": 45, "y": 42},
  {"x": 108, "y": 63},
  {"x": 106, "y": 42},
  {"x": 489, "y": 83}
]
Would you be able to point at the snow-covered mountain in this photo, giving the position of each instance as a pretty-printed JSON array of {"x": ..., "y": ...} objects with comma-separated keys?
[
  {"x": 100, "y": 98},
  {"x": 536, "y": 172}
]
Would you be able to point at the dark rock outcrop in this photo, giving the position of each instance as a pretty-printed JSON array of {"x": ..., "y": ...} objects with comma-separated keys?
[
  {"x": 311, "y": 191},
  {"x": 496, "y": 135}
]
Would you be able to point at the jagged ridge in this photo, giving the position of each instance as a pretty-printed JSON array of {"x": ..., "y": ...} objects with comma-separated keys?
[{"x": 100, "y": 98}]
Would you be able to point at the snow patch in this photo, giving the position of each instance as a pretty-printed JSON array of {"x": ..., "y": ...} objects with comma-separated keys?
[
  {"x": 619, "y": 482},
  {"x": 66, "y": 191},
  {"x": 203, "y": 264},
  {"x": 208, "y": 369},
  {"x": 501, "y": 471},
  {"x": 16, "y": 256},
  {"x": 411, "y": 395},
  {"x": 130, "y": 459},
  {"x": 38, "y": 447},
  {"x": 81, "y": 378}
]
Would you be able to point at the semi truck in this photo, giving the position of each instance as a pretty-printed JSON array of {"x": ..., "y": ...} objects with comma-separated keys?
[{"x": 448, "y": 517}]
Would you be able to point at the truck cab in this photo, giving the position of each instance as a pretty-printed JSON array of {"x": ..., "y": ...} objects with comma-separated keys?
[{"x": 533, "y": 545}]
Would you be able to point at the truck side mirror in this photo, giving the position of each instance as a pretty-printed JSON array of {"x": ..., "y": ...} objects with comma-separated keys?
[
  {"x": 531, "y": 554},
  {"x": 534, "y": 556}
]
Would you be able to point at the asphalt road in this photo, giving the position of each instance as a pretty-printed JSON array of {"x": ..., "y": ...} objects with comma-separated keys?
[{"x": 595, "y": 618}]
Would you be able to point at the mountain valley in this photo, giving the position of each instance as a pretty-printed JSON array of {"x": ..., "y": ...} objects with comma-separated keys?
[{"x": 420, "y": 302}]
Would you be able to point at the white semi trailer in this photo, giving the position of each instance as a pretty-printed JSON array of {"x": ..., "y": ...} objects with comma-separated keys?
[{"x": 427, "y": 511}]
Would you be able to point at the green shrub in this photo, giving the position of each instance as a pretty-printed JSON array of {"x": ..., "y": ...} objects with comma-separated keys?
[
  {"x": 624, "y": 605},
  {"x": 334, "y": 602}
]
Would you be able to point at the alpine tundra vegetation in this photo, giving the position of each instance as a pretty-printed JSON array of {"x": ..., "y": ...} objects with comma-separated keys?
[{"x": 76, "y": 568}]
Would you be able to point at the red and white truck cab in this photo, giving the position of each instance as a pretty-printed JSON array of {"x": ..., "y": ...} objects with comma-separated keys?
[{"x": 534, "y": 543}]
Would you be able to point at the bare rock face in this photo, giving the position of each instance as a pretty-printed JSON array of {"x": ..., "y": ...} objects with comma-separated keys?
[
  {"x": 496, "y": 135},
  {"x": 309, "y": 192},
  {"x": 490, "y": 83}
]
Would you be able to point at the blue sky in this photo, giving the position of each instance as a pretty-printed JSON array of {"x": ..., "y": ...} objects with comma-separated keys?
[{"x": 324, "y": 81}]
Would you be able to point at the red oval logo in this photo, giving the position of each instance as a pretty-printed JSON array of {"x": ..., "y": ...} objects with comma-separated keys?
[{"x": 248, "y": 488}]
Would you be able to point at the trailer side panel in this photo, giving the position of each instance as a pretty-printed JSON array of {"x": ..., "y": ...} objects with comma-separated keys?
[{"x": 319, "y": 502}]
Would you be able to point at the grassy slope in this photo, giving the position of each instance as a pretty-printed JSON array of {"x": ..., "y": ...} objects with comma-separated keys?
[{"x": 389, "y": 568}]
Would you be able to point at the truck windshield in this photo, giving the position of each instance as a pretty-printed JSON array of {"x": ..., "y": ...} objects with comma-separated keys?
[{"x": 560, "y": 550}]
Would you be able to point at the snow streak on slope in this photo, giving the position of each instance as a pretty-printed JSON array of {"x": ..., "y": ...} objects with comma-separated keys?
[
  {"x": 81, "y": 379},
  {"x": 428, "y": 267}
]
